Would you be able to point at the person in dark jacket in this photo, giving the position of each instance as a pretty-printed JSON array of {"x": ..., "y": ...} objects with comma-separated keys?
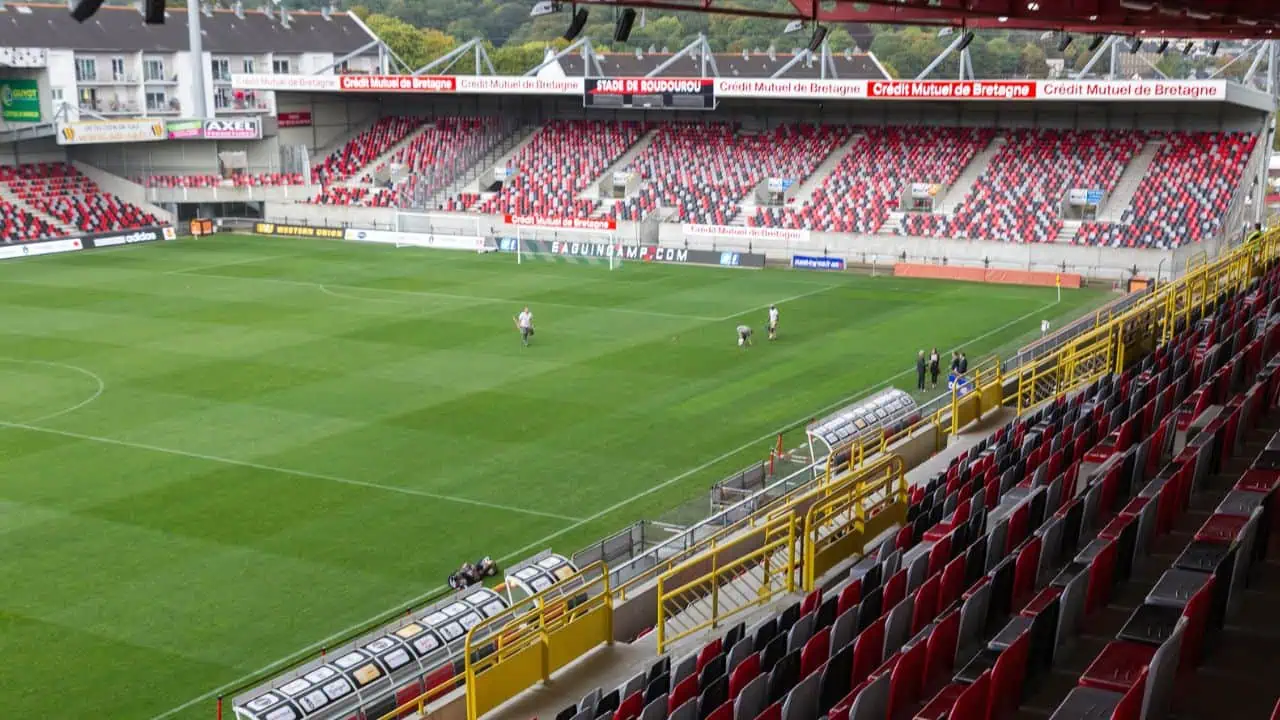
[
  {"x": 964, "y": 364},
  {"x": 934, "y": 361},
  {"x": 920, "y": 368}
]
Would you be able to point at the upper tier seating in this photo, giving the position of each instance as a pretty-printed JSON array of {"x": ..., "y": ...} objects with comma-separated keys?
[
  {"x": 557, "y": 165},
  {"x": 213, "y": 181},
  {"x": 1018, "y": 198},
  {"x": 705, "y": 170},
  {"x": 1184, "y": 197},
  {"x": 444, "y": 149},
  {"x": 364, "y": 148},
  {"x": 366, "y": 197},
  {"x": 867, "y": 183},
  {"x": 60, "y": 190}
]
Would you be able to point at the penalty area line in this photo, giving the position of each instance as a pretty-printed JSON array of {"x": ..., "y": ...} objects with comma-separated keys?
[{"x": 414, "y": 601}]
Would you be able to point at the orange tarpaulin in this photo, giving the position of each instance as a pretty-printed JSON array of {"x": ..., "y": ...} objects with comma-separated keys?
[{"x": 972, "y": 274}]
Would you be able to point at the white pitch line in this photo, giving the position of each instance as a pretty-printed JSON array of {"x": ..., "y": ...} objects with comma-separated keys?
[
  {"x": 284, "y": 471},
  {"x": 451, "y": 296},
  {"x": 291, "y": 659},
  {"x": 194, "y": 270},
  {"x": 793, "y": 298},
  {"x": 97, "y": 393}
]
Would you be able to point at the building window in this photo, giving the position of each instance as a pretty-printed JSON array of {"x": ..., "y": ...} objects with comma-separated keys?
[
  {"x": 221, "y": 98},
  {"x": 86, "y": 70},
  {"x": 249, "y": 66},
  {"x": 154, "y": 69},
  {"x": 117, "y": 69},
  {"x": 89, "y": 98},
  {"x": 56, "y": 95},
  {"x": 156, "y": 102},
  {"x": 221, "y": 69},
  {"x": 280, "y": 67}
]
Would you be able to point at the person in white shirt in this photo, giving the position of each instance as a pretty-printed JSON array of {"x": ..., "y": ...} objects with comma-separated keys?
[
  {"x": 1044, "y": 328},
  {"x": 773, "y": 322},
  {"x": 744, "y": 336},
  {"x": 524, "y": 323}
]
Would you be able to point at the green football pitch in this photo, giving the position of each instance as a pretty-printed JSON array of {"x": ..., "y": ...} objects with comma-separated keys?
[{"x": 218, "y": 453}]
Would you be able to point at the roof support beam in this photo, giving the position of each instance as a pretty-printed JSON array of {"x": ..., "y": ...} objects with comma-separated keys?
[
  {"x": 1264, "y": 49},
  {"x": 1251, "y": 47},
  {"x": 442, "y": 64},
  {"x": 1103, "y": 49},
  {"x": 942, "y": 56},
  {"x": 354, "y": 53},
  {"x": 698, "y": 45},
  {"x": 590, "y": 64}
]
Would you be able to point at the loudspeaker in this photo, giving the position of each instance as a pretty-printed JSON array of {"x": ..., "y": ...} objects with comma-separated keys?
[
  {"x": 815, "y": 42},
  {"x": 965, "y": 41},
  {"x": 85, "y": 9},
  {"x": 575, "y": 26},
  {"x": 155, "y": 12},
  {"x": 1064, "y": 42},
  {"x": 622, "y": 29}
]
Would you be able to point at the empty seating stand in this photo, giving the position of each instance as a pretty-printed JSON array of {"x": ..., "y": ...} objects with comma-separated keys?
[
  {"x": 704, "y": 170},
  {"x": 364, "y": 148},
  {"x": 1018, "y": 198},
  {"x": 1012, "y": 552},
  {"x": 63, "y": 192},
  {"x": 868, "y": 182},
  {"x": 242, "y": 180},
  {"x": 554, "y": 168},
  {"x": 1184, "y": 197}
]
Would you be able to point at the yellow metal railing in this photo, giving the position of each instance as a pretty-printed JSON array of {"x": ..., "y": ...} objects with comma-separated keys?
[
  {"x": 419, "y": 704},
  {"x": 856, "y": 453},
  {"x": 723, "y": 582},
  {"x": 524, "y": 644},
  {"x": 840, "y": 525}
]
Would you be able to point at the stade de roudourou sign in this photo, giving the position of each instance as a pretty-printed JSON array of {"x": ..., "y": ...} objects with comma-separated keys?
[{"x": 709, "y": 90}]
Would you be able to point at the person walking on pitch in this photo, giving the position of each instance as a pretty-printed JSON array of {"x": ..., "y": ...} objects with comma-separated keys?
[
  {"x": 524, "y": 323},
  {"x": 744, "y": 336},
  {"x": 773, "y": 322}
]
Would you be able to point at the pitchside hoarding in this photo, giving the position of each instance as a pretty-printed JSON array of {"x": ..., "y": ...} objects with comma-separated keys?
[
  {"x": 809, "y": 262},
  {"x": 635, "y": 253},
  {"x": 87, "y": 242}
]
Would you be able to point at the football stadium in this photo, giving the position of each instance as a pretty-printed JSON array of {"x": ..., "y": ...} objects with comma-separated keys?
[{"x": 692, "y": 383}]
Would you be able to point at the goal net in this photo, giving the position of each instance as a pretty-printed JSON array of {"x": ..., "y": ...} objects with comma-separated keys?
[{"x": 568, "y": 245}]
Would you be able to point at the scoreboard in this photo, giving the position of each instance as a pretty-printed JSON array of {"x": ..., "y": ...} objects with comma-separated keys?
[{"x": 649, "y": 93}]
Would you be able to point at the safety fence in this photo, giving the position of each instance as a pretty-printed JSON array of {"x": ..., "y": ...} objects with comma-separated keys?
[
  {"x": 840, "y": 526},
  {"x": 515, "y": 649}
]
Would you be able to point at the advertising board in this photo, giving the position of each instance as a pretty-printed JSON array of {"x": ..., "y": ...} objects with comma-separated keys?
[
  {"x": 90, "y": 132},
  {"x": 424, "y": 240},
  {"x": 809, "y": 262},
  {"x": 267, "y": 228}
]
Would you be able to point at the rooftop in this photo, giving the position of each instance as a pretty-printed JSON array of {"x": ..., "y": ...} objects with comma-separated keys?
[{"x": 120, "y": 29}]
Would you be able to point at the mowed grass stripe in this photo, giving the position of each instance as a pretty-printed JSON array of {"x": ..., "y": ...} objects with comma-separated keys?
[{"x": 610, "y": 417}]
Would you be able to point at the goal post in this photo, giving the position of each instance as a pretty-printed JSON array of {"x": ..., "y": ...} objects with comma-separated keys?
[{"x": 573, "y": 245}]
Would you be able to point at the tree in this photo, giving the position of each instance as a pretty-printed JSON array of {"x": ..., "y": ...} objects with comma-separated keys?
[{"x": 414, "y": 46}]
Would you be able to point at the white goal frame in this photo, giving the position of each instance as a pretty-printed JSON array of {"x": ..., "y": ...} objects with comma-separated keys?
[{"x": 609, "y": 238}]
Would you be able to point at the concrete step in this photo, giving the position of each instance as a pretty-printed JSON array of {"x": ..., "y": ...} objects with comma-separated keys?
[
  {"x": 469, "y": 181},
  {"x": 960, "y": 189},
  {"x": 823, "y": 171},
  {"x": 1127, "y": 186},
  {"x": 8, "y": 196},
  {"x": 364, "y": 176},
  {"x": 1067, "y": 233},
  {"x": 592, "y": 191}
]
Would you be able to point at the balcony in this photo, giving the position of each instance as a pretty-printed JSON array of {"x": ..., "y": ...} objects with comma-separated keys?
[
  {"x": 160, "y": 80},
  {"x": 112, "y": 109},
  {"x": 106, "y": 79},
  {"x": 170, "y": 107}
]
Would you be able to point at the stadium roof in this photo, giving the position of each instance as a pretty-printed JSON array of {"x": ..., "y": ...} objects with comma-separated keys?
[
  {"x": 1189, "y": 19},
  {"x": 120, "y": 29},
  {"x": 854, "y": 66}
]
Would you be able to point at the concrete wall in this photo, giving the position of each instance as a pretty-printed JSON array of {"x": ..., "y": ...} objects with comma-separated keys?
[{"x": 129, "y": 192}]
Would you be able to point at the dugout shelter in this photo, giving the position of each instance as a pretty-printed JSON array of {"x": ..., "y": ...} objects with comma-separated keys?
[{"x": 888, "y": 411}]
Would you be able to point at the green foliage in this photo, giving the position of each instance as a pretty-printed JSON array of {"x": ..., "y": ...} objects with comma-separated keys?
[{"x": 416, "y": 46}]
